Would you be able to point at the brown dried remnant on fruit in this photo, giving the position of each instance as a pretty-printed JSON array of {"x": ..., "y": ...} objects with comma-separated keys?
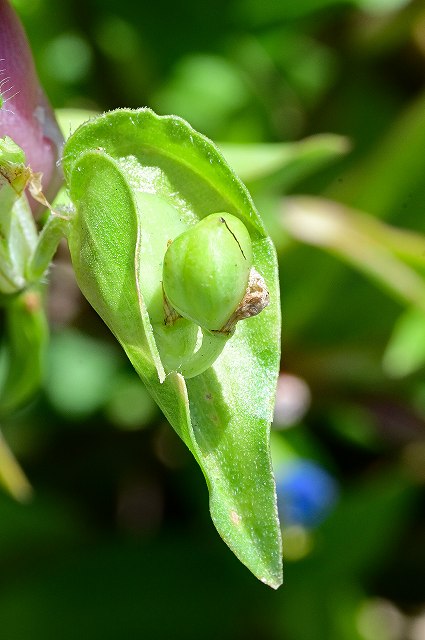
[{"x": 256, "y": 298}]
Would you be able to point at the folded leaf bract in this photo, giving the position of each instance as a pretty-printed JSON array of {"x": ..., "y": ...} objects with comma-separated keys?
[{"x": 137, "y": 180}]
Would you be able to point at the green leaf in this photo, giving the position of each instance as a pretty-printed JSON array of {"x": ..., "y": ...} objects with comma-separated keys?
[
  {"x": 223, "y": 415},
  {"x": 26, "y": 339},
  {"x": 284, "y": 163}
]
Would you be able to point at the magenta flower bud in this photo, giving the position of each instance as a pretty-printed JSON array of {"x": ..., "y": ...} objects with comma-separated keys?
[{"x": 25, "y": 114}]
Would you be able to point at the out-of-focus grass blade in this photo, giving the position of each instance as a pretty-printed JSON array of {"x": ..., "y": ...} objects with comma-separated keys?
[
  {"x": 359, "y": 240},
  {"x": 405, "y": 352},
  {"x": 381, "y": 183},
  {"x": 12, "y": 478},
  {"x": 70, "y": 119},
  {"x": 269, "y": 11},
  {"x": 287, "y": 162}
]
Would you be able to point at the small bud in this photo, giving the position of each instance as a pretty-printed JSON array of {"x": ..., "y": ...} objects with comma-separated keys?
[
  {"x": 207, "y": 270},
  {"x": 13, "y": 172},
  {"x": 10, "y": 153}
]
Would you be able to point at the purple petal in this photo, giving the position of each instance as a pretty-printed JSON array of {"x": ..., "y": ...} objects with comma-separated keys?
[{"x": 26, "y": 115}]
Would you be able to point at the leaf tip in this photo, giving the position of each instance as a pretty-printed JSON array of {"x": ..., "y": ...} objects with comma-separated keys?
[{"x": 274, "y": 582}]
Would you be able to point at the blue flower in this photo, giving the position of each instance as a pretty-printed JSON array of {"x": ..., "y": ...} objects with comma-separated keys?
[{"x": 306, "y": 493}]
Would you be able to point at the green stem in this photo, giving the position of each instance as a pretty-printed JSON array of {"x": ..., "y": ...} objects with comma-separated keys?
[{"x": 52, "y": 233}]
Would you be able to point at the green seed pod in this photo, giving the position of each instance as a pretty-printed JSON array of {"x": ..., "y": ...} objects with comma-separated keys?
[{"x": 206, "y": 270}]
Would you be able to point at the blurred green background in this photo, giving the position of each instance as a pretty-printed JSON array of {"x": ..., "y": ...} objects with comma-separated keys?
[{"x": 320, "y": 106}]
